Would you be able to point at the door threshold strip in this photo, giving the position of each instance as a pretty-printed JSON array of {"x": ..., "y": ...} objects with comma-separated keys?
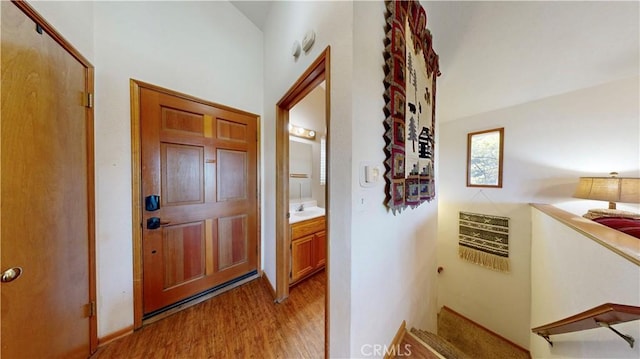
[{"x": 198, "y": 298}]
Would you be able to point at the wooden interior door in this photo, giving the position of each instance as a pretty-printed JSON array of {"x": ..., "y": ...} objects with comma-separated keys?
[
  {"x": 201, "y": 163},
  {"x": 47, "y": 195}
]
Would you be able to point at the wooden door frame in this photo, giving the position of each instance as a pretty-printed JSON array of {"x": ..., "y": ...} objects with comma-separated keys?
[
  {"x": 31, "y": 13},
  {"x": 317, "y": 72},
  {"x": 136, "y": 188}
]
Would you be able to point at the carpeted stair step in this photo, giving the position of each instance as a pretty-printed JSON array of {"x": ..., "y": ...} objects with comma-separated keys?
[
  {"x": 439, "y": 344},
  {"x": 475, "y": 340}
]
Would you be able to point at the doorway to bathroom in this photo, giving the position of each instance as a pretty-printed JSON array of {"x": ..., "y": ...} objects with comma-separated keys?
[
  {"x": 302, "y": 181},
  {"x": 307, "y": 180}
]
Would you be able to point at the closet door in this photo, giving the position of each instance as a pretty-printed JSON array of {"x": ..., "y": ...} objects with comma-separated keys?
[{"x": 47, "y": 195}]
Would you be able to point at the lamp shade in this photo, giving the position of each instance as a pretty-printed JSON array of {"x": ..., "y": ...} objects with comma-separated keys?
[{"x": 611, "y": 189}]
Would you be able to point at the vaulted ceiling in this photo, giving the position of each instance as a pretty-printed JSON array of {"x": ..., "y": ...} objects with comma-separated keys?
[
  {"x": 499, "y": 54},
  {"x": 256, "y": 11},
  {"x": 496, "y": 54}
]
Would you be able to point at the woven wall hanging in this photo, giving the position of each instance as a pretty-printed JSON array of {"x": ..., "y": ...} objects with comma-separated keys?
[
  {"x": 484, "y": 240},
  {"x": 411, "y": 68}
]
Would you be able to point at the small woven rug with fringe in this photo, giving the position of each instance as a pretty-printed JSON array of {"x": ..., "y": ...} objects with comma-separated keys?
[{"x": 484, "y": 240}]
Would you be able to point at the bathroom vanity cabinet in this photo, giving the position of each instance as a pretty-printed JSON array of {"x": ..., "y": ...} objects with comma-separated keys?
[{"x": 308, "y": 248}]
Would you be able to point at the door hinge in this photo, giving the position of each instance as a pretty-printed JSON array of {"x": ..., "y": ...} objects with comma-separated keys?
[
  {"x": 88, "y": 100},
  {"x": 92, "y": 309}
]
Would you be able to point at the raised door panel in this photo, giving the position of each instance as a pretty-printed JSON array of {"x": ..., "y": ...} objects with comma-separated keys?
[
  {"x": 302, "y": 257},
  {"x": 232, "y": 175},
  {"x": 182, "y": 174},
  {"x": 232, "y": 241},
  {"x": 184, "y": 122},
  {"x": 183, "y": 253},
  {"x": 231, "y": 131}
]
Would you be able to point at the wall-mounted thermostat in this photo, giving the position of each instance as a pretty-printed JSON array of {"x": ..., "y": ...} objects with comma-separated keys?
[{"x": 370, "y": 174}]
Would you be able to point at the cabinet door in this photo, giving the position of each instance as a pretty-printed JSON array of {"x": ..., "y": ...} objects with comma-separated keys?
[
  {"x": 320, "y": 245},
  {"x": 302, "y": 257}
]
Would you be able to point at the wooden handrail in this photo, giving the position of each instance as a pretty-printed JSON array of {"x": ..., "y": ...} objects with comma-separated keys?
[
  {"x": 618, "y": 242},
  {"x": 604, "y": 315}
]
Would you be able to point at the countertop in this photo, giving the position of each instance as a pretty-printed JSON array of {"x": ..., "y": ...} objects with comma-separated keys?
[{"x": 307, "y": 213}]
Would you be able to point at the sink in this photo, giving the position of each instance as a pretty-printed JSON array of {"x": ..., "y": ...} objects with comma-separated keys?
[{"x": 307, "y": 213}]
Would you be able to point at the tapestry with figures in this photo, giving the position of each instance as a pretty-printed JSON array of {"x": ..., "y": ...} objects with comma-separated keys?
[
  {"x": 411, "y": 68},
  {"x": 484, "y": 240}
]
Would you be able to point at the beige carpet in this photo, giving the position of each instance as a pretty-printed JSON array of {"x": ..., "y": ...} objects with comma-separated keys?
[
  {"x": 439, "y": 344},
  {"x": 476, "y": 341},
  {"x": 412, "y": 347}
]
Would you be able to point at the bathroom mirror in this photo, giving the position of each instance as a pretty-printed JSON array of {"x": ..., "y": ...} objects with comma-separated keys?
[{"x": 300, "y": 170}]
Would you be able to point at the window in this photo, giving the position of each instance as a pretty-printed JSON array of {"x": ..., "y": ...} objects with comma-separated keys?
[
  {"x": 323, "y": 161},
  {"x": 484, "y": 158}
]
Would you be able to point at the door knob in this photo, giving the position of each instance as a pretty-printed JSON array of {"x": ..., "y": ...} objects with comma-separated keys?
[
  {"x": 155, "y": 223},
  {"x": 11, "y": 274}
]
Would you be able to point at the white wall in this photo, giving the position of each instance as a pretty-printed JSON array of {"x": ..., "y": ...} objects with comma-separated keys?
[
  {"x": 572, "y": 273},
  {"x": 73, "y": 20},
  {"x": 332, "y": 22},
  {"x": 382, "y": 267},
  {"x": 393, "y": 258},
  {"x": 548, "y": 144},
  {"x": 190, "y": 47}
]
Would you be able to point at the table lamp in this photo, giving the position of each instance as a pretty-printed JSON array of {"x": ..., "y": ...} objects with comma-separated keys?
[{"x": 611, "y": 189}]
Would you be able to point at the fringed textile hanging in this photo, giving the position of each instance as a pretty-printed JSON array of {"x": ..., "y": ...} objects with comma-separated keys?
[{"x": 484, "y": 240}]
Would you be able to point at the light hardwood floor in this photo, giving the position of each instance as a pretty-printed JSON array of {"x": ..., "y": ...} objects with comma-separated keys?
[{"x": 241, "y": 323}]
